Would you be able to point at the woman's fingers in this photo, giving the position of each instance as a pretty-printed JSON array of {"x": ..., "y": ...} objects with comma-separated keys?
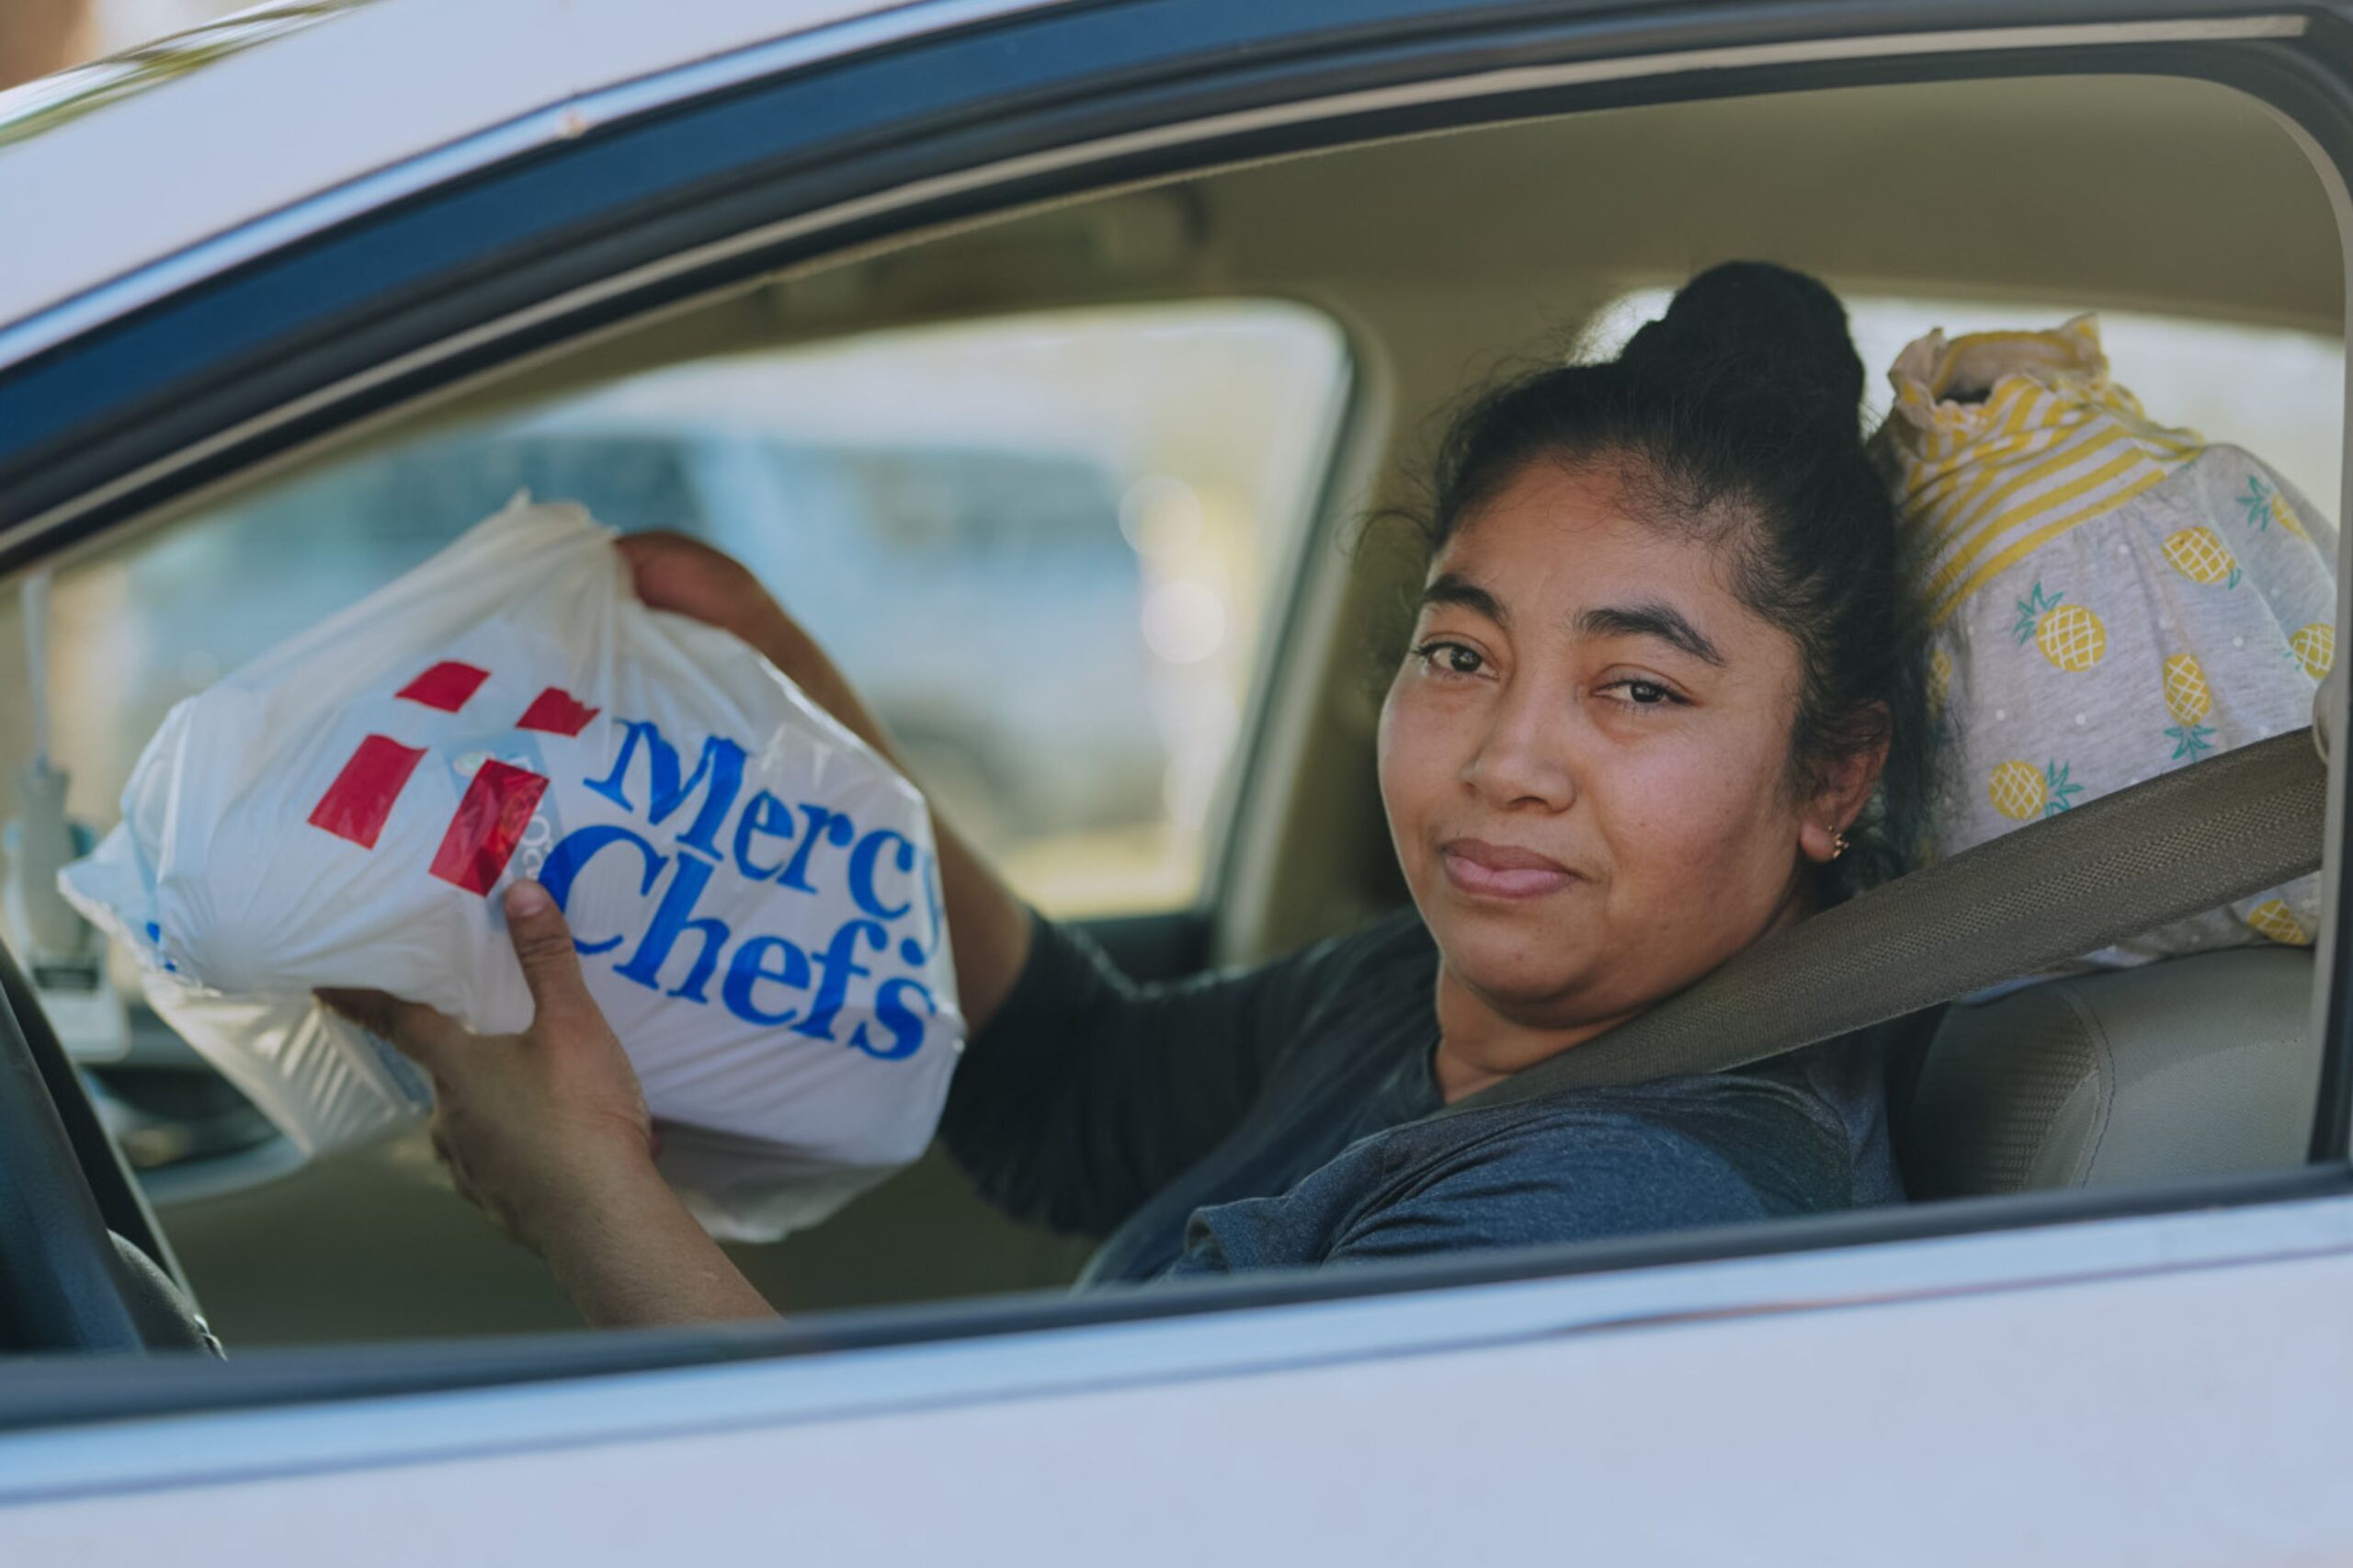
[
  {"x": 523, "y": 1123},
  {"x": 550, "y": 964},
  {"x": 416, "y": 1030},
  {"x": 371, "y": 1010},
  {"x": 674, "y": 573},
  {"x": 459, "y": 1182},
  {"x": 448, "y": 1159}
]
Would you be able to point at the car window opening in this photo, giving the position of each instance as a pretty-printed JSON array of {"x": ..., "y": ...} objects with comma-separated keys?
[{"x": 1055, "y": 550}]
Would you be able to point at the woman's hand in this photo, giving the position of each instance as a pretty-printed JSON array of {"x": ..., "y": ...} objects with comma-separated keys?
[
  {"x": 988, "y": 927},
  {"x": 686, "y": 576},
  {"x": 547, "y": 1132},
  {"x": 531, "y": 1125}
]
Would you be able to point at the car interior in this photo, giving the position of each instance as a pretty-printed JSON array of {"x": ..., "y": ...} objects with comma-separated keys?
[{"x": 1362, "y": 292}]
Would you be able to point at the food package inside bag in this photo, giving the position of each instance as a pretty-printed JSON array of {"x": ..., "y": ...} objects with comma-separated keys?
[{"x": 754, "y": 891}]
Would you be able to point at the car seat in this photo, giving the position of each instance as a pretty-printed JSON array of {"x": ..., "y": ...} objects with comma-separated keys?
[
  {"x": 2202, "y": 1061},
  {"x": 2193, "y": 1066}
]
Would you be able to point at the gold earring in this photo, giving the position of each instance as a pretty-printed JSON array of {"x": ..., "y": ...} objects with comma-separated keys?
[{"x": 1837, "y": 844}]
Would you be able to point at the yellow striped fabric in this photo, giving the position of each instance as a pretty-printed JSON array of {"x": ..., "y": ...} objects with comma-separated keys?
[{"x": 2053, "y": 444}]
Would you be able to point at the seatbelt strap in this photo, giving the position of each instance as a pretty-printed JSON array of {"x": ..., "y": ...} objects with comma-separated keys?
[{"x": 2172, "y": 846}]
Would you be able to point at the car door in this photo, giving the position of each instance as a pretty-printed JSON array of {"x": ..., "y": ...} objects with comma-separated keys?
[{"x": 2136, "y": 1375}]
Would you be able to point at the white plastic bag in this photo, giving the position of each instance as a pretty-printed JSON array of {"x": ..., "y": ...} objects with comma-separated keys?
[{"x": 754, "y": 891}]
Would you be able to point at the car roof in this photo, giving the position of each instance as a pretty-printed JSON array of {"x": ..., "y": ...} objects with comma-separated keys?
[{"x": 204, "y": 139}]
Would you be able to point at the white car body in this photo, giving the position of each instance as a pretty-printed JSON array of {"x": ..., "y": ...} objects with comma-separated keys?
[
  {"x": 191, "y": 175},
  {"x": 2148, "y": 1383},
  {"x": 2159, "y": 1391}
]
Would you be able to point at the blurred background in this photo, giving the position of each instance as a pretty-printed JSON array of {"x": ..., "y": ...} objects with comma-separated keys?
[
  {"x": 41, "y": 36},
  {"x": 1040, "y": 545}
]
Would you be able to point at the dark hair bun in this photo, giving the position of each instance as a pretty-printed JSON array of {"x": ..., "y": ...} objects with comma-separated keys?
[{"x": 1770, "y": 341}]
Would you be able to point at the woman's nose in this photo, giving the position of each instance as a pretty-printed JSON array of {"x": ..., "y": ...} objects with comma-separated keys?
[{"x": 1524, "y": 755}]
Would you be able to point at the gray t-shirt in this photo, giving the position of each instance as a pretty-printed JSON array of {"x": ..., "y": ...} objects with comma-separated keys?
[{"x": 1272, "y": 1117}]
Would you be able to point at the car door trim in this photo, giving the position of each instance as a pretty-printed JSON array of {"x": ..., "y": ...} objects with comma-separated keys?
[{"x": 773, "y": 1377}]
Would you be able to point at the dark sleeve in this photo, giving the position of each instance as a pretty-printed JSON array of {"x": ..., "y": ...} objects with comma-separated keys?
[
  {"x": 1088, "y": 1093},
  {"x": 1534, "y": 1185},
  {"x": 1548, "y": 1179}
]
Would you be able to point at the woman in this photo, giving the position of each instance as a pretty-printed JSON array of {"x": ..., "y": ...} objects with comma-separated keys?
[{"x": 1662, "y": 664}]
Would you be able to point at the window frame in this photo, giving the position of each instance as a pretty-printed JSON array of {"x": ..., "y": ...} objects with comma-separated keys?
[{"x": 1326, "y": 74}]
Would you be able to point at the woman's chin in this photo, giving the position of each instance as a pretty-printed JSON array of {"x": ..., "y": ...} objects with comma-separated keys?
[{"x": 1518, "y": 965}]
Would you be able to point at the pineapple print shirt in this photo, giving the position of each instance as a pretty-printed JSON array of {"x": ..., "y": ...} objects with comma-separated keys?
[
  {"x": 1272, "y": 1117},
  {"x": 2110, "y": 597}
]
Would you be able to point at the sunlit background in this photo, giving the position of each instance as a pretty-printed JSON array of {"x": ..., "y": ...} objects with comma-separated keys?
[
  {"x": 41, "y": 36},
  {"x": 1041, "y": 547}
]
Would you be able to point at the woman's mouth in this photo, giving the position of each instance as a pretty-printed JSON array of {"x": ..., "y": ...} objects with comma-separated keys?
[{"x": 1501, "y": 870}]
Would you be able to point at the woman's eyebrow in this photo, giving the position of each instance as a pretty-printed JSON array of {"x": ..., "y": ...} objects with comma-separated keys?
[
  {"x": 1659, "y": 620},
  {"x": 1453, "y": 588}
]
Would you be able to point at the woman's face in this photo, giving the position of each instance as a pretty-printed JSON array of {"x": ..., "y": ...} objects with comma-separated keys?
[{"x": 1583, "y": 758}]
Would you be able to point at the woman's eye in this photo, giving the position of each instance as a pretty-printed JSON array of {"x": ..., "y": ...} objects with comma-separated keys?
[
  {"x": 1644, "y": 693},
  {"x": 1451, "y": 658}
]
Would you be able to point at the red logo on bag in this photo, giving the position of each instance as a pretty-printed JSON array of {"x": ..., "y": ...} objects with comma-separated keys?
[{"x": 498, "y": 803}]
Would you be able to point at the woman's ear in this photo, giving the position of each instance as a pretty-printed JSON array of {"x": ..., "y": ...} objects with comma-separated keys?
[{"x": 1840, "y": 791}]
